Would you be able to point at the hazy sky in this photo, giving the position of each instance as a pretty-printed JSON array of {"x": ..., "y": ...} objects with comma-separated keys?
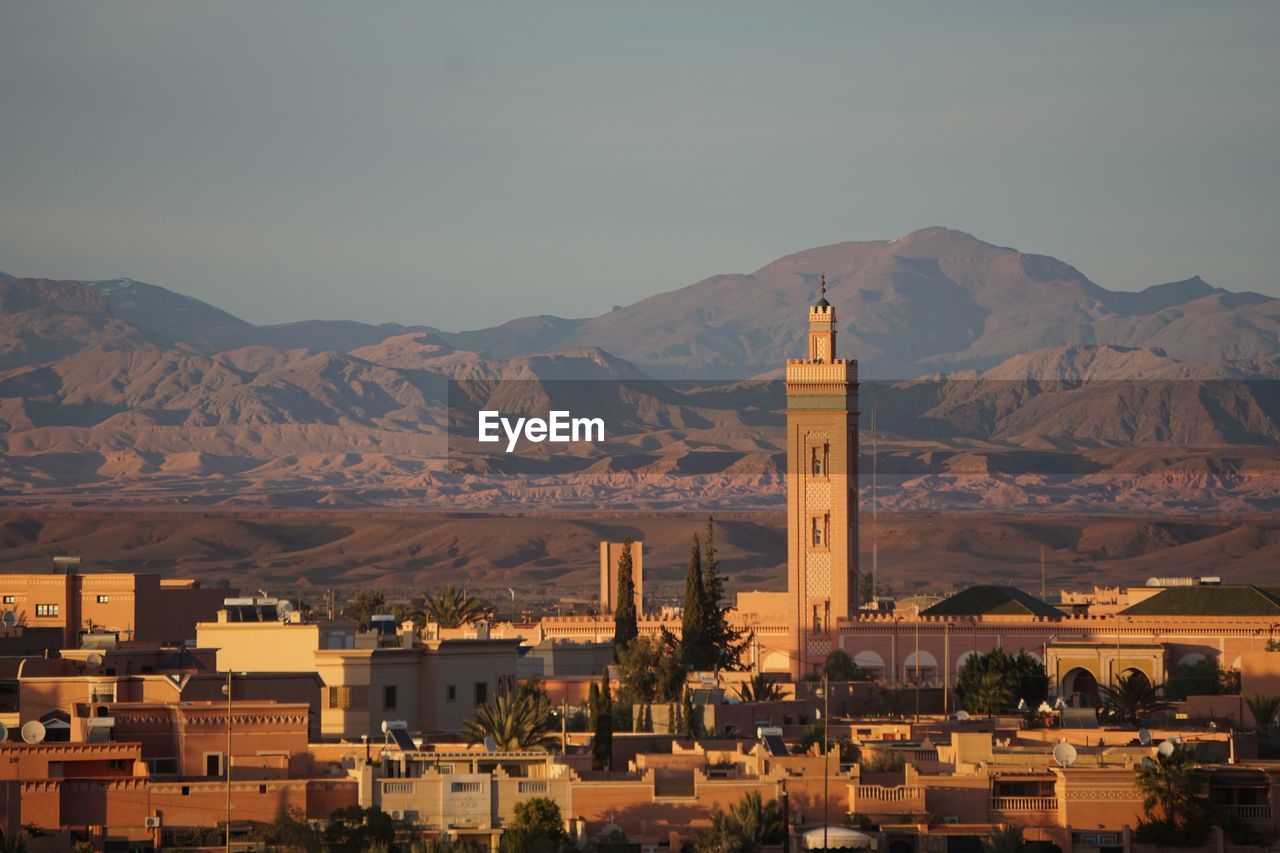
[{"x": 459, "y": 164}]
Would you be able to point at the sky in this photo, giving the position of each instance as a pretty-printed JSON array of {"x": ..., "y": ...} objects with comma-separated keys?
[{"x": 461, "y": 164}]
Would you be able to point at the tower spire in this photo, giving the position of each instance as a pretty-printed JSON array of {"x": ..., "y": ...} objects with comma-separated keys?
[{"x": 822, "y": 293}]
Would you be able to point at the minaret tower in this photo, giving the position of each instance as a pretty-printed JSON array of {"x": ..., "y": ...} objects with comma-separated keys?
[{"x": 822, "y": 488}]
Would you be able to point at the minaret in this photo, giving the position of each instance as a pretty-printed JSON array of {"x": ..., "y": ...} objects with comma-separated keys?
[{"x": 822, "y": 487}]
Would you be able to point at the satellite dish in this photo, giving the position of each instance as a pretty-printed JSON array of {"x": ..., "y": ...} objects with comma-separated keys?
[
  {"x": 93, "y": 660},
  {"x": 385, "y": 727},
  {"x": 1022, "y": 705},
  {"x": 283, "y": 610},
  {"x": 1065, "y": 754},
  {"x": 1060, "y": 704},
  {"x": 1144, "y": 737},
  {"x": 490, "y": 745},
  {"x": 1166, "y": 748},
  {"x": 4, "y": 733},
  {"x": 962, "y": 715},
  {"x": 33, "y": 732},
  {"x": 9, "y": 618},
  {"x": 1147, "y": 762}
]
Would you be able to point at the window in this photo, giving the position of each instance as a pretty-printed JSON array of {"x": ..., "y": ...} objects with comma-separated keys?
[
  {"x": 451, "y": 692},
  {"x": 464, "y": 787},
  {"x": 186, "y": 790},
  {"x": 213, "y": 764},
  {"x": 10, "y": 599},
  {"x": 820, "y": 530},
  {"x": 482, "y": 692},
  {"x": 46, "y": 610},
  {"x": 340, "y": 698},
  {"x": 537, "y": 787},
  {"x": 389, "y": 697},
  {"x": 103, "y": 599}
]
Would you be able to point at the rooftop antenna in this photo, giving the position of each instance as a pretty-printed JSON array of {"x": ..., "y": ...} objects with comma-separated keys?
[
  {"x": 1042, "y": 591},
  {"x": 1065, "y": 754}
]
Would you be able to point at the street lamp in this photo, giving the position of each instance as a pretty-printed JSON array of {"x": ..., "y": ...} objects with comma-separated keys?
[{"x": 227, "y": 690}]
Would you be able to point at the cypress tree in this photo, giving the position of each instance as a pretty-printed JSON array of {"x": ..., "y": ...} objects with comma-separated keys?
[
  {"x": 625, "y": 627},
  {"x": 726, "y": 645},
  {"x": 602, "y": 724},
  {"x": 688, "y": 717},
  {"x": 694, "y": 648}
]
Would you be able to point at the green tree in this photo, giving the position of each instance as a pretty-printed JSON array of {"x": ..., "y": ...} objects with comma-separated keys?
[
  {"x": 517, "y": 721},
  {"x": 695, "y": 647},
  {"x": 1193, "y": 679},
  {"x": 291, "y": 831},
  {"x": 1133, "y": 699},
  {"x": 1173, "y": 788},
  {"x": 987, "y": 693},
  {"x": 442, "y": 844},
  {"x": 601, "y": 709},
  {"x": 759, "y": 689},
  {"x": 866, "y": 588},
  {"x": 364, "y": 605},
  {"x": 729, "y": 645},
  {"x": 1007, "y": 840},
  {"x": 537, "y": 827},
  {"x": 353, "y": 829},
  {"x": 1013, "y": 678},
  {"x": 1264, "y": 709},
  {"x": 745, "y": 828},
  {"x": 690, "y": 717},
  {"x": 12, "y": 845},
  {"x": 651, "y": 672},
  {"x": 625, "y": 627},
  {"x": 840, "y": 667},
  {"x": 451, "y": 607}
]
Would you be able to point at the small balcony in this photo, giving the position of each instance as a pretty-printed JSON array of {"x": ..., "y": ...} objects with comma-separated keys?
[
  {"x": 1023, "y": 805},
  {"x": 1248, "y": 813}
]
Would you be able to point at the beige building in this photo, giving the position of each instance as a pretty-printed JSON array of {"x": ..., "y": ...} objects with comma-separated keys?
[
  {"x": 132, "y": 606},
  {"x": 433, "y": 685},
  {"x": 610, "y": 552}
]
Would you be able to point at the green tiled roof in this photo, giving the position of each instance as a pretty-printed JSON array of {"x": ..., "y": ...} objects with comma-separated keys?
[
  {"x": 992, "y": 600},
  {"x": 1209, "y": 601}
]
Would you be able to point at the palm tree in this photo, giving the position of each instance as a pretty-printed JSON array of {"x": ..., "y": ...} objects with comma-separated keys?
[
  {"x": 517, "y": 721},
  {"x": 1133, "y": 699},
  {"x": 990, "y": 693},
  {"x": 1264, "y": 709},
  {"x": 759, "y": 689},
  {"x": 1174, "y": 785},
  {"x": 1007, "y": 840},
  {"x": 451, "y": 607},
  {"x": 746, "y": 827},
  {"x": 13, "y": 845}
]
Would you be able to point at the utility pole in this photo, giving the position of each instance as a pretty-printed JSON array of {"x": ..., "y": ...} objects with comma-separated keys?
[
  {"x": 875, "y": 527},
  {"x": 917, "y": 719},
  {"x": 786, "y": 819},
  {"x": 826, "y": 757},
  {"x": 228, "y": 761}
]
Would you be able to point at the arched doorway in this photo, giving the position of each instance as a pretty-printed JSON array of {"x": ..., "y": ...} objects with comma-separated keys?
[
  {"x": 921, "y": 668},
  {"x": 1134, "y": 672},
  {"x": 1080, "y": 687}
]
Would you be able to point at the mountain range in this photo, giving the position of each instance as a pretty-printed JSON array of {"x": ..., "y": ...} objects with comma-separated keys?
[{"x": 1009, "y": 379}]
